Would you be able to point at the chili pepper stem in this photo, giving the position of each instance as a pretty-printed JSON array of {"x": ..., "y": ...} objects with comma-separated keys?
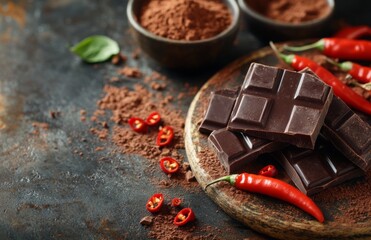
[
  {"x": 282, "y": 57},
  {"x": 320, "y": 45},
  {"x": 344, "y": 66},
  {"x": 231, "y": 179}
]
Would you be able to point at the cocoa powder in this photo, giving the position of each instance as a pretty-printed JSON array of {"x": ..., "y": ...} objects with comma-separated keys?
[
  {"x": 185, "y": 19},
  {"x": 291, "y": 11}
]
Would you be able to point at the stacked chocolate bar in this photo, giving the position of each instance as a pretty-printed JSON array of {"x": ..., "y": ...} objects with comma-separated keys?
[{"x": 315, "y": 136}]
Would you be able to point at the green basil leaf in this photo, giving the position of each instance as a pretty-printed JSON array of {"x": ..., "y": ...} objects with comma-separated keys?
[{"x": 96, "y": 48}]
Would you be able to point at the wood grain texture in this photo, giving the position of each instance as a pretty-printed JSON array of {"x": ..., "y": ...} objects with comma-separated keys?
[{"x": 253, "y": 211}]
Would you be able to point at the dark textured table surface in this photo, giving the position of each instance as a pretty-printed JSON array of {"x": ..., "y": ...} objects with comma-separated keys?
[{"x": 46, "y": 190}]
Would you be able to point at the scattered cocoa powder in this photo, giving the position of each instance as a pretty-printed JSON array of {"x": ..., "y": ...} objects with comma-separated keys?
[
  {"x": 185, "y": 19},
  {"x": 292, "y": 11},
  {"x": 130, "y": 72}
]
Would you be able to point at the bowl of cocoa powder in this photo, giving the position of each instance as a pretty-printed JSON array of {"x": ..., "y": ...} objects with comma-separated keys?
[
  {"x": 184, "y": 34},
  {"x": 287, "y": 19}
]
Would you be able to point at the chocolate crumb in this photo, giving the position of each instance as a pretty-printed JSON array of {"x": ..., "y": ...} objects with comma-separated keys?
[
  {"x": 147, "y": 220},
  {"x": 130, "y": 72},
  {"x": 189, "y": 176},
  {"x": 97, "y": 149}
]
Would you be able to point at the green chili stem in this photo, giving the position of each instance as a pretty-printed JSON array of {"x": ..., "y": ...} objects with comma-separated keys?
[
  {"x": 320, "y": 45},
  {"x": 231, "y": 179}
]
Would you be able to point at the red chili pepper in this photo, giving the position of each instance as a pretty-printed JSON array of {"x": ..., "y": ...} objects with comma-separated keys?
[
  {"x": 340, "y": 89},
  {"x": 176, "y": 202},
  {"x": 357, "y": 71},
  {"x": 169, "y": 165},
  {"x": 339, "y": 48},
  {"x": 274, "y": 188},
  {"x": 184, "y": 216},
  {"x": 155, "y": 202},
  {"x": 165, "y": 136},
  {"x": 268, "y": 171},
  {"x": 153, "y": 119},
  {"x": 354, "y": 32},
  {"x": 137, "y": 124}
]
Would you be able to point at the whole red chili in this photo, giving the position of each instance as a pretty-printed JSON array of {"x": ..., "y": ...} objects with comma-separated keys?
[
  {"x": 184, "y": 216},
  {"x": 354, "y": 32},
  {"x": 360, "y": 73},
  {"x": 340, "y": 89},
  {"x": 165, "y": 136},
  {"x": 137, "y": 124},
  {"x": 169, "y": 165},
  {"x": 339, "y": 48},
  {"x": 274, "y": 188},
  {"x": 268, "y": 171},
  {"x": 176, "y": 202},
  {"x": 155, "y": 202},
  {"x": 153, "y": 119}
]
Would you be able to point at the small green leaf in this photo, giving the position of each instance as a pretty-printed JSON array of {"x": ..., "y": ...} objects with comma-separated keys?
[{"x": 96, "y": 48}]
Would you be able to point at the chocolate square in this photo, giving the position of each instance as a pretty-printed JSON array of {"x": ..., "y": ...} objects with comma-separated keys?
[{"x": 281, "y": 105}]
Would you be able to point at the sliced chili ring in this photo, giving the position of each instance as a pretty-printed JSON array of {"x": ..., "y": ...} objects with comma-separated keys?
[
  {"x": 165, "y": 136},
  {"x": 153, "y": 119},
  {"x": 184, "y": 216},
  {"x": 268, "y": 171},
  {"x": 137, "y": 124},
  {"x": 155, "y": 202},
  {"x": 169, "y": 165},
  {"x": 176, "y": 202}
]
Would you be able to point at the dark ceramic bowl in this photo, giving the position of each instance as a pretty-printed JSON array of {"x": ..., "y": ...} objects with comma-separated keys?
[
  {"x": 181, "y": 54},
  {"x": 275, "y": 30}
]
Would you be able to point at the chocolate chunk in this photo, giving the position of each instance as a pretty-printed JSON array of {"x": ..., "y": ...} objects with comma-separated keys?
[
  {"x": 315, "y": 170},
  {"x": 237, "y": 150},
  {"x": 219, "y": 110},
  {"x": 147, "y": 220},
  {"x": 281, "y": 105},
  {"x": 349, "y": 133}
]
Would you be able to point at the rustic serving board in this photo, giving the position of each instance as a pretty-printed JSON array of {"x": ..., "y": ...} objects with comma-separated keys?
[{"x": 269, "y": 216}]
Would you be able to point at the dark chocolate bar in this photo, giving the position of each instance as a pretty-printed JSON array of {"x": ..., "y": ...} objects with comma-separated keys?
[
  {"x": 315, "y": 170},
  {"x": 219, "y": 109},
  {"x": 281, "y": 105},
  {"x": 236, "y": 150},
  {"x": 349, "y": 133}
]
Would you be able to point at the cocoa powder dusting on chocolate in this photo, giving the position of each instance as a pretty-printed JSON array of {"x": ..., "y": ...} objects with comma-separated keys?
[{"x": 185, "y": 19}]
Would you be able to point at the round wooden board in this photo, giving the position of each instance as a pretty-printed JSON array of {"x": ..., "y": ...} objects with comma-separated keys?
[{"x": 261, "y": 213}]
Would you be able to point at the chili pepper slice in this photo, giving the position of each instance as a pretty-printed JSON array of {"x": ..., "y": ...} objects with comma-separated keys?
[
  {"x": 169, "y": 165},
  {"x": 165, "y": 136},
  {"x": 137, "y": 124},
  {"x": 338, "y": 48},
  {"x": 340, "y": 89},
  {"x": 354, "y": 32},
  {"x": 360, "y": 73},
  {"x": 155, "y": 202},
  {"x": 274, "y": 188},
  {"x": 268, "y": 171},
  {"x": 176, "y": 202},
  {"x": 184, "y": 216},
  {"x": 153, "y": 119}
]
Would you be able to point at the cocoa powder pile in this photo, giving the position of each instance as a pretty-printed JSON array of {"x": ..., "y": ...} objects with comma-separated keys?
[
  {"x": 185, "y": 19},
  {"x": 291, "y": 11}
]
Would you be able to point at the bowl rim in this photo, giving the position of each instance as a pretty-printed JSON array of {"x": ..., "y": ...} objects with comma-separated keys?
[
  {"x": 231, "y": 4},
  {"x": 253, "y": 13}
]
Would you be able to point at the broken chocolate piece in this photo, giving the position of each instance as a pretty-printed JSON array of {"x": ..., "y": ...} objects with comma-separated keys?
[
  {"x": 237, "y": 150},
  {"x": 315, "y": 170},
  {"x": 349, "y": 133},
  {"x": 219, "y": 109},
  {"x": 281, "y": 105}
]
